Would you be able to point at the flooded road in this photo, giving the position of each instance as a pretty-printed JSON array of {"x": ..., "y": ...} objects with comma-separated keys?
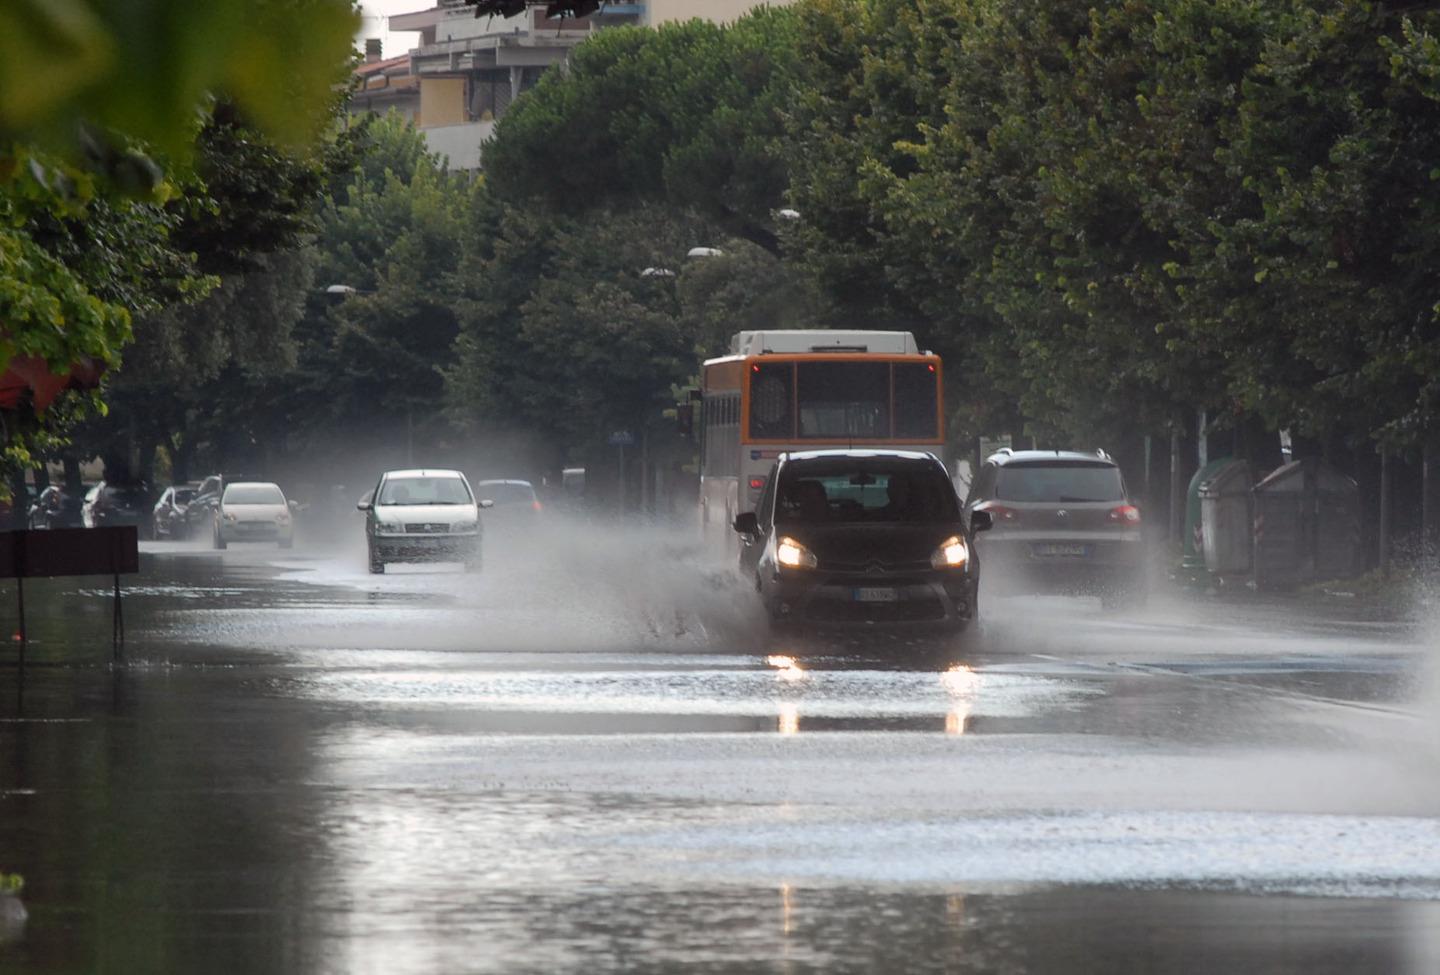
[{"x": 593, "y": 762}]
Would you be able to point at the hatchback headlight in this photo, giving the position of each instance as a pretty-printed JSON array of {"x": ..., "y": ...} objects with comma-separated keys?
[
  {"x": 952, "y": 553},
  {"x": 794, "y": 555},
  {"x": 465, "y": 526}
]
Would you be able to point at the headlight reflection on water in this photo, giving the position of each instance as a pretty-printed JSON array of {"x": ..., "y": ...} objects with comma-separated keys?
[
  {"x": 786, "y": 667},
  {"x": 962, "y": 684}
]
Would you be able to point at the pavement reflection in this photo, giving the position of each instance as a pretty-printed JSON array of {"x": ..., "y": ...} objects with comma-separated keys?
[{"x": 304, "y": 769}]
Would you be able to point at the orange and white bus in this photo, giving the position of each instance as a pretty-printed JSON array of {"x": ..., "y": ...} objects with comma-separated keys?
[{"x": 803, "y": 390}]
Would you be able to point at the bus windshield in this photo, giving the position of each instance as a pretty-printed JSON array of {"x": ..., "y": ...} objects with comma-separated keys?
[{"x": 861, "y": 400}]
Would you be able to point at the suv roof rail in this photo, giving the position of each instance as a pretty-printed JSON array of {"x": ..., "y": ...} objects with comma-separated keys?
[
  {"x": 1100, "y": 452},
  {"x": 1005, "y": 450}
]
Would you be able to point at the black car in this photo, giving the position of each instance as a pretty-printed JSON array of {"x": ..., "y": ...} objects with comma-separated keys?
[
  {"x": 1064, "y": 523},
  {"x": 861, "y": 537},
  {"x": 200, "y": 512},
  {"x": 110, "y": 504},
  {"x": 168, "y": 516},
  {"x": 57, "y": 508}
]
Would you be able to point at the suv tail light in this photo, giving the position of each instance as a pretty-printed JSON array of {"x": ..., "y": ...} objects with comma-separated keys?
[
  {"x": 998, "y": 512},
  {"x": 537, "y": 506},
  {"x": 1126, "y": 514},
  {"x": 757, "y": 483}
]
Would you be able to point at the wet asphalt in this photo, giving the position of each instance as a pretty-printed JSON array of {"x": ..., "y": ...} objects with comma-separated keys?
[{"x": 590, "y": 758}]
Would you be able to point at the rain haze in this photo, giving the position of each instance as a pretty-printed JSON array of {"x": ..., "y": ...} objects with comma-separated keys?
[{"x": 637, "y": 487}]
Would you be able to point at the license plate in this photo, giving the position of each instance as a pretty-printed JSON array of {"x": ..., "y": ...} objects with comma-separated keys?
[
  {"x": 875, "y": 595},
  {"x": 1055, "y": 550}
]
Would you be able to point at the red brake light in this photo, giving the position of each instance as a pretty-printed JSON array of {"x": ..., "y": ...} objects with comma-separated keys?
[
  {"x": 756, "y": 483},
  {"x": 1126, "y": 514},
  {"x": 931, "y": 367},
  {"x": 998, "y": 512},
  {"x": 536, "y": 505}
]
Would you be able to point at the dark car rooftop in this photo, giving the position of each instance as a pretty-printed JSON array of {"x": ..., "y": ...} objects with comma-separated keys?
[
  {"x": 867, "y": 452},
  {"x": 1008, "y": 456}
]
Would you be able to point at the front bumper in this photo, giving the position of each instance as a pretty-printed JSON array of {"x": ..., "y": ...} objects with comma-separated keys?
[
  {"x": 934, "y": 598},
  {"x": 255, "y": 531},
  {"x": 425, "y": 548}
]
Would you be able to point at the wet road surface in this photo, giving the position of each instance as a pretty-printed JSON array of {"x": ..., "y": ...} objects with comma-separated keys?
[{"x": 590, "y": 761}]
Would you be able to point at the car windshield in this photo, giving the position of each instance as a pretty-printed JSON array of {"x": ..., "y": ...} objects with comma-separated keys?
[
  {"x": 506, "y": 492},
  {"x": 847, "y": 490},
  {"x": 253, "y": 494},
  {"x": 1059, "y": 482},
  {"x": 424, "y": 490},
  {"x": 184, "y": 495}
]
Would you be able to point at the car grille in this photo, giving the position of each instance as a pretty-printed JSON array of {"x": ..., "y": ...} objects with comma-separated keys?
[
  {"x": 426, "y": 528},
  {"x": 876, "y": 566},
  {"x": 904, "y": 611}
]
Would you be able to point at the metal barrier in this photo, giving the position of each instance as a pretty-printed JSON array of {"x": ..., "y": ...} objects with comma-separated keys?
[{"x": 71, "y": 552}]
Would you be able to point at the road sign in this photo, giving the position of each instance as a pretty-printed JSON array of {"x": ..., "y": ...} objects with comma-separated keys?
[{"x": 621, "y": 438}]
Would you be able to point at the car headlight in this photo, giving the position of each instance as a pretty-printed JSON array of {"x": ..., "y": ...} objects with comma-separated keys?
[
  {"x": 952, "y": 553},
  {"x": 465, "y": 526},
  {"x": 793, "y": 555},
  {"x": 389, "y": 528}
]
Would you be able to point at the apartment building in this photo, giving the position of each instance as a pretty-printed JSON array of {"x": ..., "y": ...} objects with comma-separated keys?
[{"x": 465, "y": 70}]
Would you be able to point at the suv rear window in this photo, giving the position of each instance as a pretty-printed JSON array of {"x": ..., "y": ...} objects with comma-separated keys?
[
  {"x": 502, "y": 492},
  {"x": 842, "y": 490},
  {"x": 1059, "y": 482}
]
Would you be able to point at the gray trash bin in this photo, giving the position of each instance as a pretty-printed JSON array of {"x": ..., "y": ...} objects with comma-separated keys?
[
  {"x": 1227, "y": 519},
  {"x": 1307, "y": 526}
]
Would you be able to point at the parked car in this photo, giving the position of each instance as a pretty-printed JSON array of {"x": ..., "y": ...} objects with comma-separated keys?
[
  {"x": 253, "y": 511},
  {"x": 422, "y": 516},
  {"x": 110, "y": 504},
  {"x": 167, "y": 518},
  {"x": 1064, "y": 522},
  {"x": 200, "y": 512},
  {"x": 56, "y": 507},
  {"x": 861, "y": 537}
]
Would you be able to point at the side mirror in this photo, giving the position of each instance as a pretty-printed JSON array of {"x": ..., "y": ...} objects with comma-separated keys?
[
  {"x": 293, "y": 505},
  {"x": 747, "y": 524},
  {"x": 363, "y": 505},
  {"x": 981, "y": 521},
  {"x": 487, "y": 503}
]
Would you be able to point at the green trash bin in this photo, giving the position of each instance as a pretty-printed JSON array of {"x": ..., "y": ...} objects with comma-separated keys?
[{"x": 1192, "y": 551}]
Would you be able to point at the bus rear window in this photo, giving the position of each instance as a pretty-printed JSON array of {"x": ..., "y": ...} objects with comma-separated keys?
[
  {"x": 770, "y": 400},
  {"x": 917, "y": 408},
  {"x": 843, "y": 399},
  {"x": 835, "y": 400}
]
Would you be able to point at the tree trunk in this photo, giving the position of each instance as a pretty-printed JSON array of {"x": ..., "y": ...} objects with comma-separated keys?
[
  {"x": 73, "y": 484},
  {"x": 1385, "y": 512},
  {"x": 1430, "y": 499}
]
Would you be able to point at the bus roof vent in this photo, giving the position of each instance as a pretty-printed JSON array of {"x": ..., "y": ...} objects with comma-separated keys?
[{"x": 781, "y": 341}]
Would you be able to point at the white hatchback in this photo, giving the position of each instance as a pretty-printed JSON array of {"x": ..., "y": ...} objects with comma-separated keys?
[
  {"x": 253, "y": 511},
  {"x": 422, "y": 516}
]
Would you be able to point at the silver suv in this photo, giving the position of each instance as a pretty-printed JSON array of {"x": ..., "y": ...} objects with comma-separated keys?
[{"x": 1062, "y": 522}]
